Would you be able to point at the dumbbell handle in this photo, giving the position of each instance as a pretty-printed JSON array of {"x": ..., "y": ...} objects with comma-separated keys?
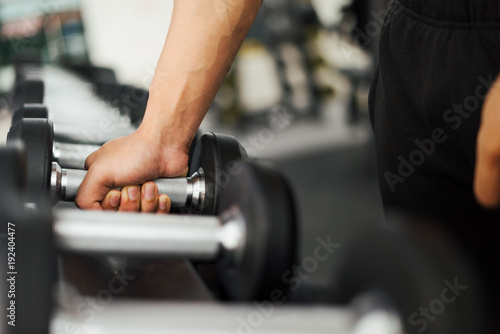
[
  {"x": 187, "y": 236},
  {"x": 72, "y": 155},
  {"x": 184, "y": 192}
]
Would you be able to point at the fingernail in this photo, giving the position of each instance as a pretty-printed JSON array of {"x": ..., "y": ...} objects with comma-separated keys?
[
  {"x": 163, "y": 203},
  {"x": 132, "y": 193},
  {"x": 114, "y": 200},
  {"x": 149, "y": 192}
]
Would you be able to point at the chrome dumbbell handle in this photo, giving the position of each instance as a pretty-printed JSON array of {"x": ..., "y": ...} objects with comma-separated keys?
[
  {"x": 72, "y": 155},
  {"x": 367, "y": 314},
  {"x": 187, "y": 236},
  {"x": 184, "y": 192}
]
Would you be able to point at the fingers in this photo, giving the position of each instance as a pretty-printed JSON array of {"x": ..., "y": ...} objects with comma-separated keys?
[
  {"x": 164, "y": 204},
  {"x": 130, "y": 199},
  {"x": 149, "y": 197},
  {"x": 112, "y": 201}
]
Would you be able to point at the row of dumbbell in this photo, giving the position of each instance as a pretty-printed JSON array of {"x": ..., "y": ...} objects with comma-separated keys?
[
  {"x": 214, "y": 163},
  {"x": 247, "y": 230},
  {"x": 79, "y": 114},
  {"x": 252, "y": 235},
  {"x": 390, "y": 281},
  {"x": 33, "y": 124}
]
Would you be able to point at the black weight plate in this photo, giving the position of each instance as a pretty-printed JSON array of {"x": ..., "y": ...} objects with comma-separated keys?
[
  {"x": 13, "y": 167},
  {"x": 37, "y": 136},
  {"x": 106, "y": 83},
  {"x": 265, "y": 200},
  {"x": 216, "y": 154},
  {"x": 413, "y": 267},
  {"x": 28, "y": 91},
  {"x": 34, "y": 265},
  {"x": 28, "y": 71},
  {"x": 34, "y": 110},
  {"x": 132, "y": 102},
  {"x": 192, "y": 149}
]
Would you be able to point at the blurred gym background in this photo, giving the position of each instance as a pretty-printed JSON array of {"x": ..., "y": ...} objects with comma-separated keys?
[{"x": 297, "y": 93}]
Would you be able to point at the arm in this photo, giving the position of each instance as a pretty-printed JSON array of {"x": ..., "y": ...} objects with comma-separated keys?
[{"x": 203, "y": 39}]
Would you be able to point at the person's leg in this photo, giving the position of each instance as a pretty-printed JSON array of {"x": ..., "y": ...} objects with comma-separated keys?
[{"x": 425, "y": 106}]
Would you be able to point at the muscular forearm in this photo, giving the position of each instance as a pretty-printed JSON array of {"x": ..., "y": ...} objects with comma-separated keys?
[{"x": 202, "y": 41}]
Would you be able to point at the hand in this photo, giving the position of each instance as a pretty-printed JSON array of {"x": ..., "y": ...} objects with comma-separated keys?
[
  {"x": 487, "y": 178},
  {"x": 127, "y": 163}
]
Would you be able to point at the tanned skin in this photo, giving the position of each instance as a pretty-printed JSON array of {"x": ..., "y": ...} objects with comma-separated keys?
[{"x": 202, "y": 41}]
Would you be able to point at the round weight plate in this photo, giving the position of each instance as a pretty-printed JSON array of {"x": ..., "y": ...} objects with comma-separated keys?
[
  {"x": 38, "y": 137},
  {"x": 265, "y": 200},
  {"x": 13, "y": 167},
  {"x": 192, "y": 149},
  {"x": 139, "y": 98},
  {"x": 217, "y": 155},
  {"x": 36, "y": 265},
  {"x": 28, "y": 91},
  {"x": 417, "y": 269},
  {"x": 30, "y": 111}
]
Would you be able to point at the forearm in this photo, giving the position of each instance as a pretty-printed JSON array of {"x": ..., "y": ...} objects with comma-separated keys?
[{"x": 203, "y": 39}]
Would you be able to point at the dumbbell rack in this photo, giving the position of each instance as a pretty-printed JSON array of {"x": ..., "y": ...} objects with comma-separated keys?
[{"x": 77, "y": 113}]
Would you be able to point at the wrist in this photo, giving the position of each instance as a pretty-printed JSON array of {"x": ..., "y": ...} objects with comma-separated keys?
[
  {"x": 170, "y": 154},
  {"x": 173, "y": 114},
  {"x": 165, "y": 136}
]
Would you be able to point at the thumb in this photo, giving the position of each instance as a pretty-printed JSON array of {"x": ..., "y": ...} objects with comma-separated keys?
[{"x": 92, "y": 192}]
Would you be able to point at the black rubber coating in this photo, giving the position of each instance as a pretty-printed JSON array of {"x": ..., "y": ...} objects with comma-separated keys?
[
  {"x": 106, "y": 83},
  {"x": 192, "y": 149},
  {"x": 34, "y": 110},
  {"x": 132, "y": 102},
  {"x": 104, "y": 80},
  {"x": 30, "y": 70},
  {"x": 30, "y": 237},
  {"x": 33, "y": 266},
  {"x": 38, "y": 137},
  {"x": 13, "y": 167},
  {"x": 217, "y": 155},
  {"x": 415, "y": 268},
  {"x": 28, "y": 91},
  {"x": 265, "y": 200}
]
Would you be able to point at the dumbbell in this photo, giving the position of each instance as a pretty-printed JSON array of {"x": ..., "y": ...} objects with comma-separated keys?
[
  {"x": 93, "y": 135},
  {"x": 211, "y": 165},
  {"x": 74, "y": 106},
  {"x": 104, "y": 79},
  {"x": 63, "y": 85},
  {"x": 393, "y": 280},
  {"x": 252, "y": 242},
  {"x": 27, "y": 91},
  {"x": 22, "y": 232},
  {"x": 67, "y": 155},
  {"x": 78, "y": 114}
]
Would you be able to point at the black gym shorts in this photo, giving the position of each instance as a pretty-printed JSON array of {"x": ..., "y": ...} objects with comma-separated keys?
[{"x": 437, "y": 60}]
